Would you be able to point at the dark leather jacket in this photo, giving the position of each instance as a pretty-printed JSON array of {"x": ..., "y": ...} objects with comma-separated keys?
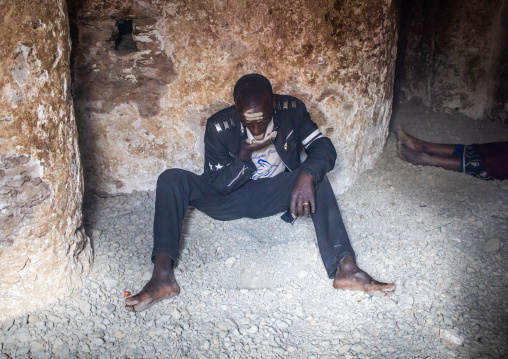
[{"x": 225, "y": 172}]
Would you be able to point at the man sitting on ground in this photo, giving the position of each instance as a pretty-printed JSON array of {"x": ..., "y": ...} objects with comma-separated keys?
[{"x": 253, "y": 169}]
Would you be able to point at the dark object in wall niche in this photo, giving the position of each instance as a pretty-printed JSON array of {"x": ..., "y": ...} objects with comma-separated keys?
[{"x": 124, "y": 43}]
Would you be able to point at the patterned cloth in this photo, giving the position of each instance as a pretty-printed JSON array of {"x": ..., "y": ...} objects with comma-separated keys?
[
  {"x": 472, "y": 164},
  {"x": 487, "y": 161}
]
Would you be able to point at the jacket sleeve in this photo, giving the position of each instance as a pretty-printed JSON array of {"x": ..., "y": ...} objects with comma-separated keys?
[
  {"x": 223, "y": 170},
  {"x": 321, "y": 154}
]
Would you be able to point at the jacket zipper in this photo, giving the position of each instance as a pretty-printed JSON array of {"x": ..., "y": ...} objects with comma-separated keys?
[{"x": 284, "y": 151}]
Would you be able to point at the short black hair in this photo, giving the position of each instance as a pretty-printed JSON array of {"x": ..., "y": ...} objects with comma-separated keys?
[{"x": 251, "y": 88}]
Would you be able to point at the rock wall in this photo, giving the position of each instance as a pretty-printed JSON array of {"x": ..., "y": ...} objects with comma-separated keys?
[
  {"x": 142, "y": 112},
  {"x": 453, "y": 56},
  {"x": 43, "y": 248}
]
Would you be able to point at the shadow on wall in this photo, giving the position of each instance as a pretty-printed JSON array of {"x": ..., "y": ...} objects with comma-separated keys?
[{"x": 453, "y": 56}]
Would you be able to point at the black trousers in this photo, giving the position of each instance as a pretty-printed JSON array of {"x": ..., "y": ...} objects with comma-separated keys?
[{"x": 177, "y": 189}]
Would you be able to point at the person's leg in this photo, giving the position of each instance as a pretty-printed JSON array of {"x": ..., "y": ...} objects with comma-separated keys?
[
  {"x": 175, "y": 189},
  {"x": 424, "y": 159},
  {"x": 267, "y": 197},
  {"x": 336, "y": 251},
  {"x": 415, "y": 144},
  {"x": 333, "y": 240},
  {"x": 162, "y": 285}
]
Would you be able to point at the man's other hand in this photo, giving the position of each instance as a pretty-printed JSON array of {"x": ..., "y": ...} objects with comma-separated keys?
[
  {"x": 303, "y": 201},
  {"x": 249, "y": 146}
]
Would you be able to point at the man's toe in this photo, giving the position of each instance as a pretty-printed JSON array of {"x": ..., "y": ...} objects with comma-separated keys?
[
  {"x": 138, "y": 298},
  {"x": 131, "y": 301},
  {"x": 144, "y": 305},
  {"x": 389, "y": 288}
]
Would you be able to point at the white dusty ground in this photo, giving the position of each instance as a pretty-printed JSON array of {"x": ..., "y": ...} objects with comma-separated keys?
[{"x": 257, "y": 288}]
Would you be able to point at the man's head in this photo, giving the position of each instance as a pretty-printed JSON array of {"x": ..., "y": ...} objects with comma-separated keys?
[{"x": 253, "y": 101}]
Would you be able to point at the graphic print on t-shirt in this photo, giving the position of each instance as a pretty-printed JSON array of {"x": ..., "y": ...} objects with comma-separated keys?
[
  {"x": 265, "y": 168},
  {"x": 267, "y": 160}
]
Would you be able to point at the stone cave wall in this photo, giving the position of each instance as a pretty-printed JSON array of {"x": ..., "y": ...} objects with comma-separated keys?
[
  {"x": 142, "y": 112},
  {"x": 453, "y": 56},
  {"x": 43, "y": 249}
]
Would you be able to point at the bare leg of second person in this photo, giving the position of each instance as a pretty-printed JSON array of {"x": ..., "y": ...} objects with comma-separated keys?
[
  {"x": 415, "y": 144},
  {"x": 424, "y": 159}
]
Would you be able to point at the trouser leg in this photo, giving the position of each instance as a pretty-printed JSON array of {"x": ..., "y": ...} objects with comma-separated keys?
[
  {"x": 333, "y": 240},
  {"x": 176, "y": 188},
  {"x": 458, "y": 151}
]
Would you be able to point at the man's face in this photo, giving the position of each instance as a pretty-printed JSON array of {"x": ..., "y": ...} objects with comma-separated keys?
[{"x": 256, "y": 118}]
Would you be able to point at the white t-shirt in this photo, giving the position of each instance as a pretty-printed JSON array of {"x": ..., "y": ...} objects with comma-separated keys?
[{"x": 267, "y": 160}]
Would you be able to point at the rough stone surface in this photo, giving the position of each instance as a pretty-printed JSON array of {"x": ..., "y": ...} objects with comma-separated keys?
[
  {"x": 453, "y": 55},
  {"x": 141, "y": 113},
  {"x": 43, "y": 248}
]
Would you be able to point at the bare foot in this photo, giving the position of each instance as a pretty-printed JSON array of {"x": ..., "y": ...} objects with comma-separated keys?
[
  {"x": 162, "y": 285},
  {"x": 412, "y": 156},
  {"x": 350, "y": 276},
  {"x": 409, "y": 141}
]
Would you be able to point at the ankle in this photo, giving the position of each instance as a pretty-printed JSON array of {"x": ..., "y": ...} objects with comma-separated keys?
[
  {"x": 425, "y": 159},
  {"x": 163, "y": 265},
  {"x": 347, "y": 264}
]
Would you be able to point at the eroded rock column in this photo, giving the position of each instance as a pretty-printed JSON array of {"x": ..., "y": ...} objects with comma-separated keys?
[
  {"x": 141, "y": 113},
  {"x": 43, "y": 248}
]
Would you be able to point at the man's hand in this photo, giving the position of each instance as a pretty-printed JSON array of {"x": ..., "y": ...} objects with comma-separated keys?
[
  {"x": 303, "y": 200},
  {"x": 249, "y": 146}
]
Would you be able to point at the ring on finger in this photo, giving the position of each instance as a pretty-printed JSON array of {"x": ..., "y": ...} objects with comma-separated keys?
[{"x": 306, "y": 203}]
